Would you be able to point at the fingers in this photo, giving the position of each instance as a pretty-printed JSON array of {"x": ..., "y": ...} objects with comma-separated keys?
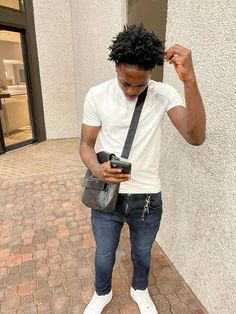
[
  {"x": 115, "y": 180},
  {"x": 113, "y": 175},
  {"x": 107, "y": 170},
  {"x": 116, "y": 177},
  {"x": 181, "y": 58},
  {"x": 176, "y": 51},
  {"x": 176, "y": 60}
]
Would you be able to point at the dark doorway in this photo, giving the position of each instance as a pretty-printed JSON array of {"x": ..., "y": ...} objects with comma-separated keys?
[{"x": 152, "y": 13}]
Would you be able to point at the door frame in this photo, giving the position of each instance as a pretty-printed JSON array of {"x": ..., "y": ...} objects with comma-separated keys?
[{"x": 23, "y": 22}]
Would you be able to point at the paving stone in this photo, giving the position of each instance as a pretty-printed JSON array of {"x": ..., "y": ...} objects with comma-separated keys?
[
  {"x": 27, "y": 287},
  {"x": 42, "y": 283},
  {"x": 77, "y": 309},
  {"x": 71, "y": 274},
  {"x": 73, "y": 225},
  {"x": 56, "y": 279},
  {"x": 173, "y": 298},
  {"x": 69, "y": 264},
  {"x": 3, "y": 272},
  {"x": 114, "y": 304},
  {"x": 41, "y": 254},
  {"x": 27, "y": 299},
  {"x": 43, "y": 272},
  {"x": 27, "y": 248},
  {"x": 61, "y": 304},
  {"x": 28, "y": 266},
  {"x": 53, "y": 251},
  {"x": 44, "y": 308},
  {"x": 72, "y": 287},
  {"x": 47, "y": 249},
  {"x": 13, "y": 269},
  {"x": 55, "y": 259},
  {"x": 2, "y": 293},
  {"x": 15, "y": 250},
  {"x": 180, "y": 308},
  {"x": 58, "y": 291},
  {"x": 41, "y": 238},
  {"x": 13, "y": 279},
  {"x": 43, "y": 295},
  {"x": 14, "y": 260},
  {"x": 29, "y": 308},
  {"x": 27, "y": 276},
  {"x": 188, "y": 298},
  {"x": 76, "y": 238},
  {"x": 153, "y": 290},
  {"x": 161, "y": 302},
  {"x": 10, "y": 303}
]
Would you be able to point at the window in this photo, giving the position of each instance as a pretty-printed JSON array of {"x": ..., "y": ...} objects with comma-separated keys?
[{"x": 12, "y": 4}]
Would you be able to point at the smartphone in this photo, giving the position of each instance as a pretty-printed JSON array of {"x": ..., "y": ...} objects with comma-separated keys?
[{"x": 124, "y": 165}]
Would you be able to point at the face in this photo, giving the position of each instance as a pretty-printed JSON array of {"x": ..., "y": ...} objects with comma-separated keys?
[{"x": 132, "y": 80}]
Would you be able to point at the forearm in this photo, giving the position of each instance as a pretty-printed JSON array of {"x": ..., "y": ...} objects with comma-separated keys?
[
  {"x": 102, "y": 171},
  {"x": 89, "y": 157},
  {"x": 195, "y": 113}
]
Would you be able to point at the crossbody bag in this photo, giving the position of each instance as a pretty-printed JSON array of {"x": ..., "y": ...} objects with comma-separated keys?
[{"x": 98, "y": 194}]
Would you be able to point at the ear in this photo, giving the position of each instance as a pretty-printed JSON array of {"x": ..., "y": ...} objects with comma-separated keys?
[{"x": 117, "y": 67}]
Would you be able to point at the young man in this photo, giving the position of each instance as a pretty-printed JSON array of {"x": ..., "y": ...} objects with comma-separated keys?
[{"x": 107, "y": 114}]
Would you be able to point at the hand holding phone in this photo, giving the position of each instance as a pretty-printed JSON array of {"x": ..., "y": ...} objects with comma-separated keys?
[{"x": 125, "y": 166}]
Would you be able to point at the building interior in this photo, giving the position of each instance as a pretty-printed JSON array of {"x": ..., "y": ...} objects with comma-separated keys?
[{"x": 14, "y": 101}]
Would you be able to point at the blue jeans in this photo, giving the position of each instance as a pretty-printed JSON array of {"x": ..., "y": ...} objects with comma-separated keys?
[{"x": 143, "y": 224}]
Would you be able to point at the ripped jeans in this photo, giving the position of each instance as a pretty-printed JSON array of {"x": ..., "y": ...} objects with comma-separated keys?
[{"x": 143, "y": 221}]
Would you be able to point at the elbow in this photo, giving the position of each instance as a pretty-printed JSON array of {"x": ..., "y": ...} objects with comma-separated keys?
[
  {"x": 197, "y": 142},
  {"x": 196, "y": 138}
]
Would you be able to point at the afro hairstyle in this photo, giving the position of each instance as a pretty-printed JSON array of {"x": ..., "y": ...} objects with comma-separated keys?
[{"x": 137, "y": 46}]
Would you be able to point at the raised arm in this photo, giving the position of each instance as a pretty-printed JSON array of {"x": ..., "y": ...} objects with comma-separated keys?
[
  {"x": 189, "y": 121},
  {"x": 88, "y": 155}
]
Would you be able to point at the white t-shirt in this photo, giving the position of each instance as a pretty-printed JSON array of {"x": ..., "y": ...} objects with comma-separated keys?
[{"x": 106, "y": 106}]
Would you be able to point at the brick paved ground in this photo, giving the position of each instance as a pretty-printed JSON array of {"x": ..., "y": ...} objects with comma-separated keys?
[{"x": 46, "y": 245}]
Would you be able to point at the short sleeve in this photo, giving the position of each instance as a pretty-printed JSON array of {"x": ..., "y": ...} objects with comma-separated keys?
[
  {"x": 90, "y": 116},
  {"x": 175, "y": 99}
]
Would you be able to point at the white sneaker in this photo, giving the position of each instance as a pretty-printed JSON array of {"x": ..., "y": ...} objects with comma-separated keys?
[
  {"x": 97, "y": 303},
  {"x": 144, "y": 301}
]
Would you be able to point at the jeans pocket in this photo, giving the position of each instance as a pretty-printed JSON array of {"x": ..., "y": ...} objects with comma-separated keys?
[
  {"x": 156, "y": 203},
  {"x": 152, "y": 207}
]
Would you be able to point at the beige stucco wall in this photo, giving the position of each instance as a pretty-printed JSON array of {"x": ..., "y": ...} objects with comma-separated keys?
[
  {"x": 94, "y": 24},
  {"x": 56, "y": 64},
  {"x": 72, "y": 38},
  {"x": 198, "y": 230}
]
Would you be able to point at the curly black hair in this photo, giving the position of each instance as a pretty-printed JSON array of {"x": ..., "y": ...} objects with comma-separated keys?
[{"x": 137, "y": 46}]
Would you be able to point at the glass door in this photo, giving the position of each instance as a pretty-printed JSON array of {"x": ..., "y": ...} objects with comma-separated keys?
[{"x": 15, "y": 121}]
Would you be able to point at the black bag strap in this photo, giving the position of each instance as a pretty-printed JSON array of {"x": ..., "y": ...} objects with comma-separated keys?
[{"x": 134, "y": 124}]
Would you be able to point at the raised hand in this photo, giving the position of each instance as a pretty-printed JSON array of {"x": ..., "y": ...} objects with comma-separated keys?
[{"x": 181, "y": 57}]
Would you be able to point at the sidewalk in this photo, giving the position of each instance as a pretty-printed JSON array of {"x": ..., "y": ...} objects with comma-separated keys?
[{"x": 47, "y": 248}]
